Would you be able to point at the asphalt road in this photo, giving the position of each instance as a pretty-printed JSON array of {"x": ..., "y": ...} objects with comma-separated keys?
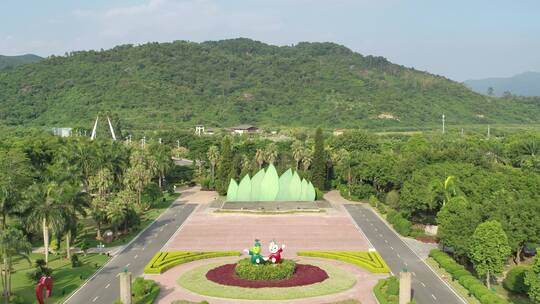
[
  {"x": 104, "y": 287},
  {"x": 427, "y": 286}
]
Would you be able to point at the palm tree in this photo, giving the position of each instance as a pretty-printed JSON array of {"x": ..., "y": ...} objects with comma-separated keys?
[
  {"x": 46, "y": 210},
  {"x": 75, "y": 203},
  {"x": 100, "y": 186},
  {"x": 118, "y": 210},
  {"x": 245, "y": 165},
  {"x": 297, "y": 149},
  {"x": 213, "y": 157},
  {"x": 307, "y": 157},
  {"x": 13, "y": 243},
  {"x": 137, "y": 176},
  {"x": 259, "y": 157},
  {"x": 161, "y": 156},
  {"x": 342, "y": 159},
  {"x": 271, "y": 153},
  {"x": 14, "y": 177}
]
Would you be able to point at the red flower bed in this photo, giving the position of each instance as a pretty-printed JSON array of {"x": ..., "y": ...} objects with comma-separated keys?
[{"x": 304, "y": 275}]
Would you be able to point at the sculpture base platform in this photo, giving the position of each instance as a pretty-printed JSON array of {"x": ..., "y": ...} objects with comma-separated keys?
[{"x": 315, "y": 206}]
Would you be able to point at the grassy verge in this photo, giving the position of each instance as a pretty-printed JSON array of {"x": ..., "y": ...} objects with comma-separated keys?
[
  {"x": 195, "y": 280},
  {"x": 163, "y": 261},
  {"x": 455, "y": 284},
  {"x": 66, "y": 279},
  {"x": 89, "y": 232},
  {"x": 370, "y": 261}
]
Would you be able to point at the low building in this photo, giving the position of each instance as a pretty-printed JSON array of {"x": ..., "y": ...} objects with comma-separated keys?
[
  {"x": 338, "y": 132},
  {"x": 62, "y": 132},
  {"x": 244, "y": 129}
]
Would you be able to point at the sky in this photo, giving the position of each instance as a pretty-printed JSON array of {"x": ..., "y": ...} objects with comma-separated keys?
[{"x": 459, "y": 39}]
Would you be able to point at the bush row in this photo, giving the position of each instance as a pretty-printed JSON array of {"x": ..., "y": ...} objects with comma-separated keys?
[
  {"x": 163, "y": 261},
  {"x": 474, "y": 286},
  {"x": 371, "y": 261},
  {"x": 515, "y": 280},
  {"x": 143, "y": 291},
  {"x": 387, "y": 291},
  {"x": 400, "y": 224}
]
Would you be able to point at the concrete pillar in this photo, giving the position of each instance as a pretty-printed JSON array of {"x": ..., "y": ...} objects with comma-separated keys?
[
  {"x": 404, "y": 287},
  {"x": 125, "y": 287}
]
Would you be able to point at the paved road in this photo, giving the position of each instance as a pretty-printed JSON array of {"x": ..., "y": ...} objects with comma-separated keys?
[
  {"x": 427, "y": 287},
  {"x": 104, "y": 288}
]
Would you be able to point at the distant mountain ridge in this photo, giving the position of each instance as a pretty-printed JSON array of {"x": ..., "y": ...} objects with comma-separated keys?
[
  {"x": 524, "y": 84},
  {"x": 242, "y": 81},
  {"x": 13, "y": 61}
]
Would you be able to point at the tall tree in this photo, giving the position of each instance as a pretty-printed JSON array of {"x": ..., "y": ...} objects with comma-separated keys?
[
  {"x": 137, "y": 176},
  {"x": 297, "y": 149},
  {"x": 74, "y": 204},
  {"x": 457, "y": 221},
  {"x": 46, "y": 210},
  {"x": 14, "y": 178},
  {"x": 259, "y": 157},
  {"x": 13, "y": 243},
  {"x": 318, "y": 167},
  {"x": 161, "y": 156},
  {"x": 532, "y": 279},
  {"x": 307, "y": 159},
  {"x": 489, "y": 250},
  {"x": 213, "y": 157},
  {"x": 100, "y": 186},
  {"x": 271, "y": 153},
  {"x": 225, "y": 170}
]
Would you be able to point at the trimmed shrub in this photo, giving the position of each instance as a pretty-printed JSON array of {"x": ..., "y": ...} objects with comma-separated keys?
[
  {"x": 401, "y": 225},
  {"x": 371, "y": 261},
  {"x": 319, "y": 195},
  {"x": 392, "y": 199},
  {"x": 466, "y": 279},
  {"x": 515, "y": 280},
  {"x": 268, "y": 271},
  {"x": 362, "y": 191},
  {"x": 393, "y": 286},
  {"x": 163, "y": 261},
  {"x": 144, "y": 291},
  {"x": 75, "y": 261}
]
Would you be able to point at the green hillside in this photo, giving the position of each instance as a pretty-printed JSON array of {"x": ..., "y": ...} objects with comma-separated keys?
[
  {"x": 224, "y": 83},
  {"x": 13, "y": 61}
]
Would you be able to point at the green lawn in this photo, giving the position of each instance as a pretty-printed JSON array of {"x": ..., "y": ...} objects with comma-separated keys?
[
  {"x": 195, "y": 281},
  {"x": 89, "y": 232},
  {"x": 65, "y": 278}
]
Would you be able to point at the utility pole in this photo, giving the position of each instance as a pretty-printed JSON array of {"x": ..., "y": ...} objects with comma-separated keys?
[
  {"x": 143, "y": 141},
  {"x": 443, "y": 124},
  {"x": 160, "y": 140},
  {"x": 178, "y": 144},
  {"x": 489, "y": 132},
  {"x": 461, "y": 131}
]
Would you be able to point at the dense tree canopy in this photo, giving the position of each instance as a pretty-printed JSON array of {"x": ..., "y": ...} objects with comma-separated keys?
[{"x": 224, "y": 83}]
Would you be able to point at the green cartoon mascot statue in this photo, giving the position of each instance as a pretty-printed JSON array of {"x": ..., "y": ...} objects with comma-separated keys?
[{"x": 255, "y": 253}]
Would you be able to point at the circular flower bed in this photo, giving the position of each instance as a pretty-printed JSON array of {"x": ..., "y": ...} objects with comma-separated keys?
[
  {"x": 304, "y": 275},
  {"x": 195, "y": 280},
  {"x": 268, "y": 271}
]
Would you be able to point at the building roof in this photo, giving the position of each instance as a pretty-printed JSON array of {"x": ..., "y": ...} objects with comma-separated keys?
[{"x": 244, "y": 127}]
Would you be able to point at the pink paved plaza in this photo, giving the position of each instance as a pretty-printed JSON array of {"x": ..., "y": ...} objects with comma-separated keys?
[{"x": 206, "y": 230}]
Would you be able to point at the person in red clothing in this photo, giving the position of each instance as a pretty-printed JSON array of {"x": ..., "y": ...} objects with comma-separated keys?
[{"x": 275, "y": 252}]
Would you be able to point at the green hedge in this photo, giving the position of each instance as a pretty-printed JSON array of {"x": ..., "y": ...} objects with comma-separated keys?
[
  {"x": 144, "y": 291},
  {"x": 163, "y": 261},
  {"x": 402, "y": 225},
  {"x": 371, "y": 261},
  {"x": 474, "y": 286},
  {"x": 515, "y": 280},
  {"x": 246, "y": 270},
  {"x": 384, "y": 291}
]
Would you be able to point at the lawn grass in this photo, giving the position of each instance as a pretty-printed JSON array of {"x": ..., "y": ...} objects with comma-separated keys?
[
  {"x": 65, "y": 278},
  {"x": 89, "y": 232},
  {"x": 195, "y": 280},
  {"x": 464, "y": 293}
]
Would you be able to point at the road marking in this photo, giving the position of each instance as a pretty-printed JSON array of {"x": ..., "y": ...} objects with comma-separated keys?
[
  {"x": 95, "y": 299},
  {"x": 128, "y": 264},
  {"x": 135, "y": 256},
  {"x": 371, "y": 224},
  {"x": 108, "y": 285},
  {"x": 161, "y": 229},
  {"x": 423, "y": 284},
  {"x": 414, "y": 274},
  {"x": 434, "y": 297},
  {"x": 398, "y": 255},
  {"x": 406, "y": 264},
  {"x": 380, "y": 235},
  {"x": 391, "y": 247},
  {"x": 376, "y": 229},
  {"x": 386, "y": 241}
]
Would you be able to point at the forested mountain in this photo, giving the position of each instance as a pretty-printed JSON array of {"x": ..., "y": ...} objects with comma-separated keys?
[
  {"x": 524, "y": 84},
  {"x": 13, "y": 61},
  {"x": 224, "y": 83}
]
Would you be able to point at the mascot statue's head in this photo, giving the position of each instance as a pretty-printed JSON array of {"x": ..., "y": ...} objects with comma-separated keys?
[{"x": 275, "y": 252}]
